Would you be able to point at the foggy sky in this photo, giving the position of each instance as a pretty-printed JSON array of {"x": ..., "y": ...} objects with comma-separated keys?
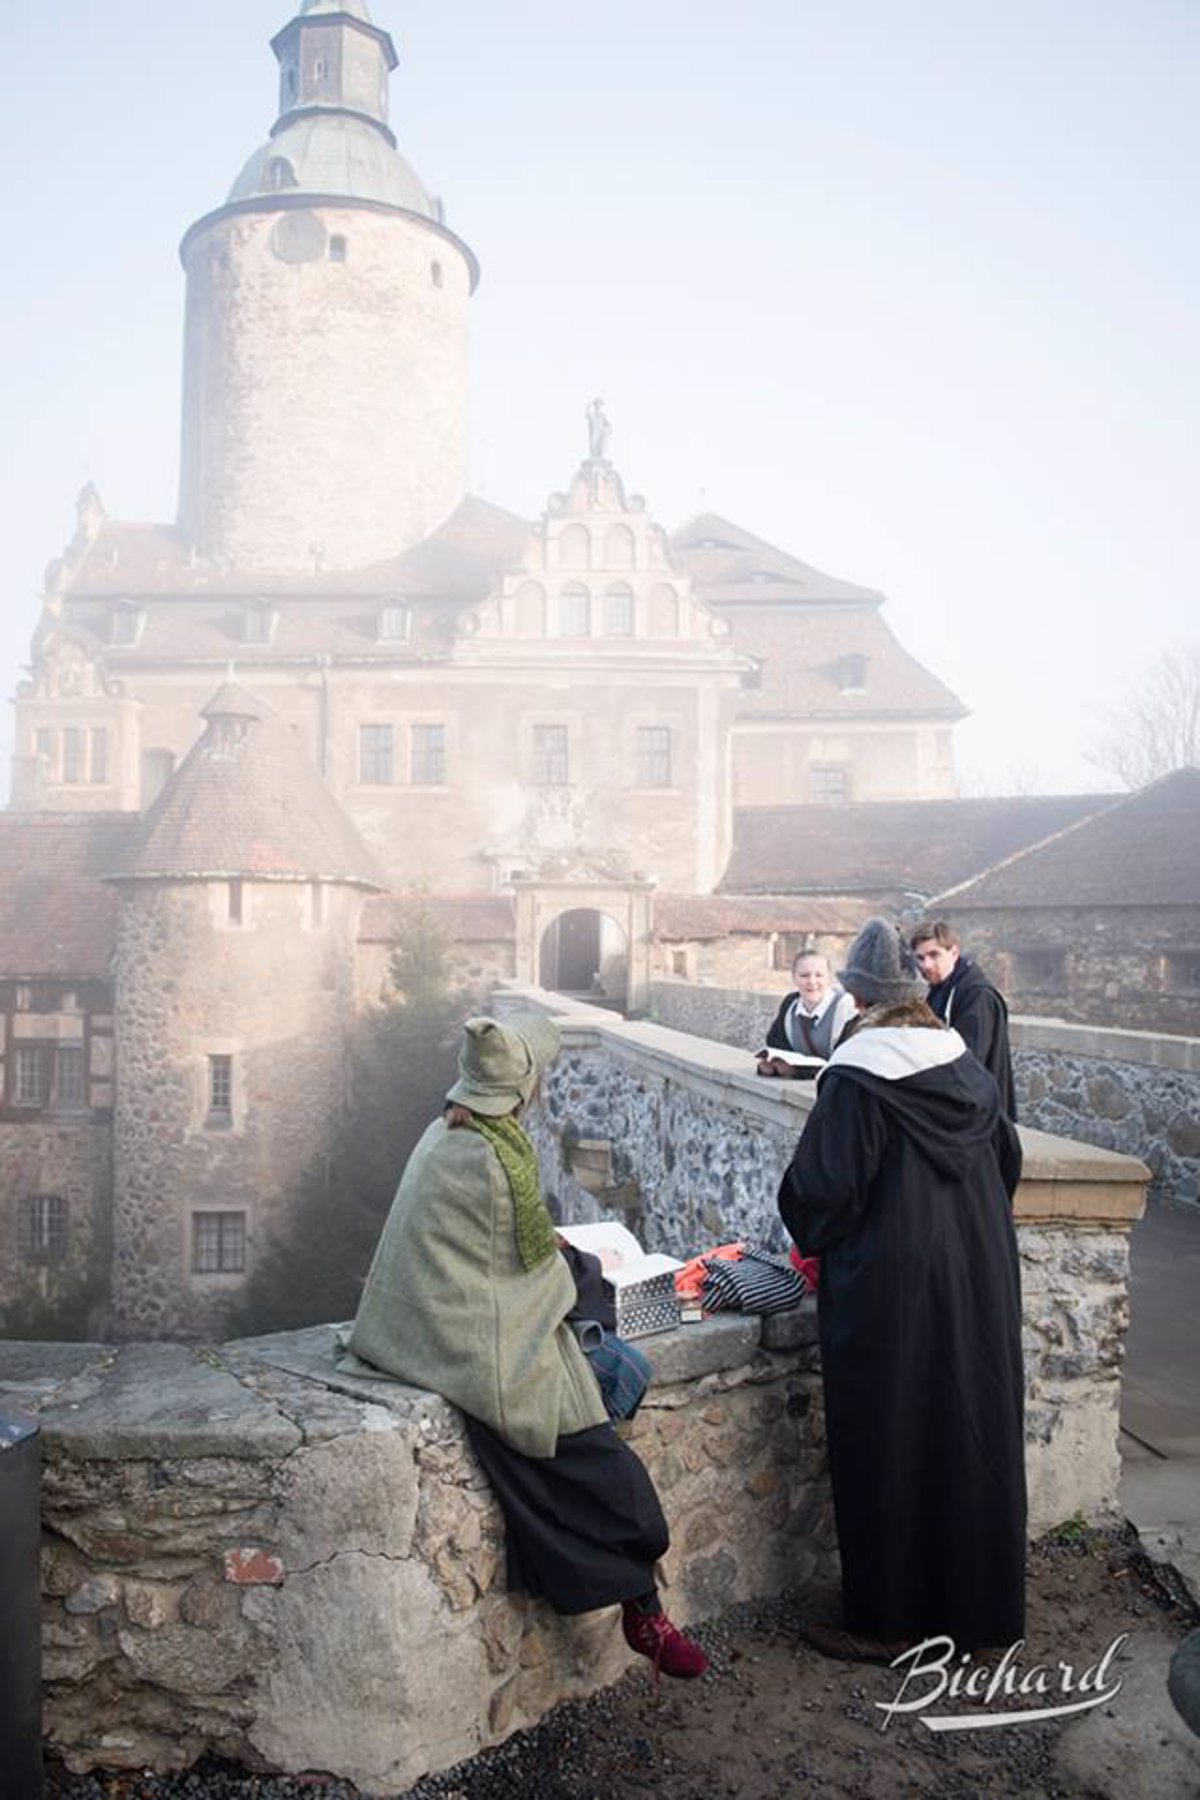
[{"x": 907, "y": 288}]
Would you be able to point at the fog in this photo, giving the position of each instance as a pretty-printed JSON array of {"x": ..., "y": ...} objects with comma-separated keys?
[{"x": 906, "y": 288}]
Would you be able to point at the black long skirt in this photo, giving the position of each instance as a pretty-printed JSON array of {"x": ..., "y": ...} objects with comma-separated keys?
[{"x": 584, "y": 1526}]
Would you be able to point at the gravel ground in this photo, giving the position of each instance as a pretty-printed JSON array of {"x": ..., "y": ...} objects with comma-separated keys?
[{"x": 772, "y": 1718}]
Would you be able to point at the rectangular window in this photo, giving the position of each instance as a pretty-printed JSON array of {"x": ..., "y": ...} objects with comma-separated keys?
[
  {"x": 45, "y": 745},
  {"x": 828, "y": 784},
  {"x": 429, "y": 756},
  {"x": 42, "y": 1228},
  {"x": 395, "y": 623},
  {"x": 653, "y": 756},
  {"x": 376, "y": 755},
  {"x": 220, "y": 1088},
  {"x": 68, "y": 1075},
  {"x": 236, "y": 902},
  {"x": 258, "y": 624},
  {"x": 218, "y": 1243},
  {"x": 551, "y": 756},
  {"x": 124, "y": 625},
  {"x": 98, "y": 754},
  {"x": 72, "y": 753},
  {"x": 28, "y": 1082}
]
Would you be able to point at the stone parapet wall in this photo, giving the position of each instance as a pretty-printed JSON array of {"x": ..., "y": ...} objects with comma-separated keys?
[
  {"x": 248, "y": 1553},
  {"x": 1131, "y": 1091},
  {"x": 1137, "y": 1092}
]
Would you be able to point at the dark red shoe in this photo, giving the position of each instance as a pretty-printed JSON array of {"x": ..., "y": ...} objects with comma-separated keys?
[{"x": 653, "y": 1635}]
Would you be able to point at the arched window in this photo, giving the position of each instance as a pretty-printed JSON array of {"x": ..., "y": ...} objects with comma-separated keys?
[
  {"x": 618, "y": 610},
  {"x": 574, "y": 611},
  {"x": 280, "y": 173}
]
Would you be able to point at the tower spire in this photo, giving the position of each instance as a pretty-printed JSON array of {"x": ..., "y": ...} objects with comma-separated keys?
[{"x": 333, "y": 59}]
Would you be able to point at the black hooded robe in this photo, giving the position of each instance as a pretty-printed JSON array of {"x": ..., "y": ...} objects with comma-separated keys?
[
  {"x": 969, "y": 1003},
  {"x": 902, "y": 1183}
]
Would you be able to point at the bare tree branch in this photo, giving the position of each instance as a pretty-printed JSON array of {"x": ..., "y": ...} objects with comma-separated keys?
[{"x": 1158, "y": 729}]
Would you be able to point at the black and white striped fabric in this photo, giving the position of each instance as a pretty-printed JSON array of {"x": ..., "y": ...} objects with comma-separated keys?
[{"x": 760, "y": 1281}]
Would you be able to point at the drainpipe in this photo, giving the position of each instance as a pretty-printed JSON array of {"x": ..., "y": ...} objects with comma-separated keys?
[{"x": 20, "y": 1608}]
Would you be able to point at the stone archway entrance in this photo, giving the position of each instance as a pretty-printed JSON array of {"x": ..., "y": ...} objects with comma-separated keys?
[
  {"x": 583, "y": 951},
  {"x": 587, "y": 938}
]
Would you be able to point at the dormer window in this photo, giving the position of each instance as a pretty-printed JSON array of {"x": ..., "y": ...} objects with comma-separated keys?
[
  {"x": 125, "y": 624},
  {"x": 852, "y": 674},
  {"x": 395, "y": 622},
  {"x": 258, "y": 624},
  {"x": 280, "y": 173}
]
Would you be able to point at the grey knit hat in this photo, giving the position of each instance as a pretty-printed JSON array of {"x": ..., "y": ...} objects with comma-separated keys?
[
  {"x": 499, "y": 1064},
  {"x": 880, "y": 967}
]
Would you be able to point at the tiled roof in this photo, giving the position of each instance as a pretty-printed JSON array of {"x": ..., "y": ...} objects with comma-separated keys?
[
  {"x": 801, "y": 654},
  {"x": 687, "y": 917},
  {"x": 1140, "y": 850},
  {"x": 58, "y": 918},
  {"x": 730, "y": 565},
  {"x": 459, "y": 561},
  {"x": 246, "y": 801},
  {"x": 467, "y": 918},
  {"x": 886, "y": 847}
]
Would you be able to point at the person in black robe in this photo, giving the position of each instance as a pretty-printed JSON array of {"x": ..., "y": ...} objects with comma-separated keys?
[
  {"x": 902, "y": 1183},
  {"x": 962, "y": 996}
]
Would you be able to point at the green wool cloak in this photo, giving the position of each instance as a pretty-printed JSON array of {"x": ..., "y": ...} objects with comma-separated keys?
[{"x": 449, "y": 1306}]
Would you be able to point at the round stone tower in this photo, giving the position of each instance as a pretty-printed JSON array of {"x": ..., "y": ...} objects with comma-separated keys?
[{"x": 325, "y": 351}]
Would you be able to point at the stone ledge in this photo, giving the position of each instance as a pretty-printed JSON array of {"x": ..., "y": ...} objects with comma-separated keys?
[{"x": 1151, "y": 1049}]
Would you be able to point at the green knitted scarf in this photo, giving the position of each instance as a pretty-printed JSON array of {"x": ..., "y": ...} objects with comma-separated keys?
[{"x": 518, "y": 1159}]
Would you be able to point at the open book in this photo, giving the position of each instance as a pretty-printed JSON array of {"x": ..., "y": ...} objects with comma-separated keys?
[
  {"x": 621, "y": 1256},
  {"x": 796, "y": 1059}
]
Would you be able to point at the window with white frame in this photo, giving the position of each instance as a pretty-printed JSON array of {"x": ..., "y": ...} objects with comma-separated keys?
[
  {"x": 29, "y": 1075},
  {"x": 427, "y": 746},
  {"x": 653, "y": 768},
  {"x": 828, "y": 784},
  {"x": 220, "y": 1089},
  {"x": 574, "y": 612},
  {"x": 551, "y": 756},
  {"x": 395, "y": 621},
  {"x": 618, "y": 611},
  {"x": 72, "y": 754},
  {"x": 42, "y": 1228},
  {"x": 69, "y": 1072},
  {"x": 376, "y": 755},
  {"x": 218, "y": 1243}
]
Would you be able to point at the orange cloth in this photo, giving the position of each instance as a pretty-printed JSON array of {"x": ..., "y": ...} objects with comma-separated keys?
[{"x": 689, "y": 1281}]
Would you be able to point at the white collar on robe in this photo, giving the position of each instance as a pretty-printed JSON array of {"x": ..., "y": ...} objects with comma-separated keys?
[{"x": 894, "y": 1051}]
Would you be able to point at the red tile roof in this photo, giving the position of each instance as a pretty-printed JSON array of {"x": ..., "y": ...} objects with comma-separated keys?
[
  {"x": 246, "y": 801},
  {"x": 692, "y": 917},
  {"x": 730, "y": 565},
  {"x": 889, "y": 849},
  {"x": 58, "y": 917},
  {"x": 1140, "y": 850}
]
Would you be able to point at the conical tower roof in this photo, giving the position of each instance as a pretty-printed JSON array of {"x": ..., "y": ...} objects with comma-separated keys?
[{"x": 246, "y": 803}]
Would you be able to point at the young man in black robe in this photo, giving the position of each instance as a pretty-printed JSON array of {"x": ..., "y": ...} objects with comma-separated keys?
[
  {"x": 962, "y": 996},
  {"x": 902, "y": 1183}
]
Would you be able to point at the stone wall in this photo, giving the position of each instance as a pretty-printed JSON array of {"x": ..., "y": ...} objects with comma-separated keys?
[
  {"x": 1137, "y": 1092},
  {"x": 248, "y": 1553}
]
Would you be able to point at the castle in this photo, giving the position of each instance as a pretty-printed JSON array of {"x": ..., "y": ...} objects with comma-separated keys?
[{"x": 337, "y": 679}]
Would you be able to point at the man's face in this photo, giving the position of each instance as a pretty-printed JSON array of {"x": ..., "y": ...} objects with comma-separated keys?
[
  {"x": 811, "y": 975},
  {"x": 935, "y": 961}
]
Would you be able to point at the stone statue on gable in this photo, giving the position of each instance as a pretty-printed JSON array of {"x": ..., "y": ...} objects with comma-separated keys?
[{"x": 599, "y": 431}]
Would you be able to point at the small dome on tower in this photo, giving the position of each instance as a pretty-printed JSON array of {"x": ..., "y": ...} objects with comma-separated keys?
[{"x": 333, "y": 153}]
